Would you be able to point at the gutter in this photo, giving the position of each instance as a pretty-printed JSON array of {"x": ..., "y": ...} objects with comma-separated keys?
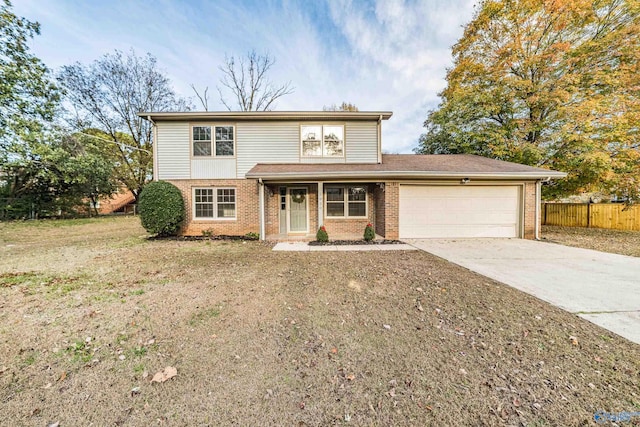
[{"x": 404, "y": 174}]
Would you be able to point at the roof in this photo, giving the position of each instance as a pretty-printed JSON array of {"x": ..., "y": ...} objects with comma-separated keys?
[
  {"x": 406, "y": 166},
  {"x": 266, "y": 115}
]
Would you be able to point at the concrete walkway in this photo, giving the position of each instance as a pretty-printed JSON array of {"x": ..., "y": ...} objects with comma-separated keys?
[
  {"x": 600, "y": 287},
  {"x": 305, "y": 247}
]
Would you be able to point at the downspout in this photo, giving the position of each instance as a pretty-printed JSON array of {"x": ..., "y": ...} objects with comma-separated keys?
[
  {"x": 261, "y": 207},
  {"x": 380, "y": 139},
  {"x": 155, "y": 148}
]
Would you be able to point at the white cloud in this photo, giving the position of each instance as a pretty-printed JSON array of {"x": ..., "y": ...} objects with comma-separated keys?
[{"x": 382, "y": 55}]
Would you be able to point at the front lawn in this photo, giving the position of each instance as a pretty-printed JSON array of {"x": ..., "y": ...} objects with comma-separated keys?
[
  {"x": 92, "y": 310},
  {"x": 600, "y": 239}
]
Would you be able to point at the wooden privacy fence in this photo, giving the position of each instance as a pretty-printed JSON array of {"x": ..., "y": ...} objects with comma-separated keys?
[{"x": 597, "y": 215}]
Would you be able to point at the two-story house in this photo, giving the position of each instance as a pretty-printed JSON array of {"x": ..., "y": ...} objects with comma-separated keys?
[{"x": 283, "y": 174}]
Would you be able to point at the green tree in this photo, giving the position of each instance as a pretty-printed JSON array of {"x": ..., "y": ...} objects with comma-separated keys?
[
  {"x": 549, "y": 83},
  {"x": 107, "y": 95},
  {"x": 28, "y": 97},
  {"x": 55, "y": 177}
]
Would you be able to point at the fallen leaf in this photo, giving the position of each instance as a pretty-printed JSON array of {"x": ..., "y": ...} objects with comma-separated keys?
[
  {"x": 63, "y": 375},
  {"x": 162, "y": 376}
]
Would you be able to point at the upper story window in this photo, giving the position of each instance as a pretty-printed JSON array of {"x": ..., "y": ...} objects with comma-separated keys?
[
  {"x": 222, "y": 144},
  {"x": 322, "y": 140}
]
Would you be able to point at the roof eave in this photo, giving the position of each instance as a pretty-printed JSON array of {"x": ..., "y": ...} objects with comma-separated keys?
[
  {"x": 266, "y": 115},
  {"x": 405, "y": 175}
]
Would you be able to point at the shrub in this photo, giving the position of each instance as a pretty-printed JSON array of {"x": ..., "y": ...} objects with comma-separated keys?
[
  {"x": 322, "y": 235},
  {"x": 161, "y": 208},
  {"x": 369, "y": 233}
]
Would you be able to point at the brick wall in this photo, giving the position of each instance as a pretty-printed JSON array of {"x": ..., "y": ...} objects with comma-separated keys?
[
  {"x": 346, "y": 228},
  {"x": 530, "y": 210},
  {"x": 247, "y": 210},
  {"x": 391, "y": 210},
  {"x": 378, "y": 194}
]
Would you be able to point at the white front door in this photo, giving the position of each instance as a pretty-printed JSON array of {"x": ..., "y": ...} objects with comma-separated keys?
[{"x": 298, "y": 214}]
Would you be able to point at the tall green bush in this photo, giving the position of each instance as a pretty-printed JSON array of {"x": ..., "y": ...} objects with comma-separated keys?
[{"x": 161, "y": 208}]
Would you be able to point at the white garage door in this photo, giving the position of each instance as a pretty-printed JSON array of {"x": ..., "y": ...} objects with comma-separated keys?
[{"x": 459, "y": 211}]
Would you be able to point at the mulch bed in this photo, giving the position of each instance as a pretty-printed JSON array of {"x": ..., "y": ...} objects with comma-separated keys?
[{"x": 356, "y": 242}]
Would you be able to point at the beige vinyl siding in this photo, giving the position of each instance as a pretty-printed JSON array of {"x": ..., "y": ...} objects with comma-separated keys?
[
  {"x": 361, "y": 142},
  {"x": 260, "y": 142},
  {"x": 322, "y": 159},
  {"x": 213, "y": 168},
  {"x": 173, "y": 150}
]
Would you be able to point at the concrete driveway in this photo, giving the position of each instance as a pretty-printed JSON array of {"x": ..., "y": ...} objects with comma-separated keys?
[{"x": 600, "y": 287}]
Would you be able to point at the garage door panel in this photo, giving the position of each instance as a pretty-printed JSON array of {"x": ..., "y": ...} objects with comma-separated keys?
[{"x": 458, "y": 211}]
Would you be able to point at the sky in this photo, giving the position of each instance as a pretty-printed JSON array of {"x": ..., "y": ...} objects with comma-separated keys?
[{"x": 381, "y": 55}]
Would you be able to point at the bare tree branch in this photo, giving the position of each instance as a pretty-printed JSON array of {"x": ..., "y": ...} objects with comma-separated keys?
[
  {"x": 246, "y": 80},
  {"x": 204, "y": 98}
]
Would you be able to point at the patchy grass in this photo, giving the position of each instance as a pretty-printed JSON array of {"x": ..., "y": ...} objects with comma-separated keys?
[
  {"x": 274, "y": 338},
  {"x": 614, "y": 241}
]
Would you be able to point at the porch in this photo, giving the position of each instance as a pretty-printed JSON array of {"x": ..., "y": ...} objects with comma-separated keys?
[{"x": 293, "y": 211}]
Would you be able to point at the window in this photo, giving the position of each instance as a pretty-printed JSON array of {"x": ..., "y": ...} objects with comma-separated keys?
[
  {"x": 215, "y": 203},
  {"x": 322, "y": 141},
  {"x": 224, "y": 140},
  {"x": 346, "y": 201},
  {"x": 223, "y": 143},
  {"x": 201, "y": 140}
]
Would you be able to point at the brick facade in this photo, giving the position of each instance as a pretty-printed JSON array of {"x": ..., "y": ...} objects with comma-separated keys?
[
  {"x": 378, "y": 197},
  {"x": 247, "y": 213},
  {"x": 529, "y": 216},
  {"x": 382, "y": 210},
  {"x": 391, "y": 210}
]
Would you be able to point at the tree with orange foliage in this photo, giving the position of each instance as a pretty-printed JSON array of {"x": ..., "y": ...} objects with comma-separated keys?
[{"x": 548, "y": 83}]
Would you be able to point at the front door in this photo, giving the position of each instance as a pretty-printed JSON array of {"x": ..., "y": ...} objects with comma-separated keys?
[{"x": 298, "y": 210}]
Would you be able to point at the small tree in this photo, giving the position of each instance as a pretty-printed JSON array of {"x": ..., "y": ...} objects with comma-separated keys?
[
  {"x": 369, "y": 233},
  {"x": 322, "y": 235},
  {"x": 161, "y": 208}
]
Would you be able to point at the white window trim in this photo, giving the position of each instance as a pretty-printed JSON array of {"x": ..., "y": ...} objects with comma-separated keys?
[
  {"x": 322, "y": 156},
  {"x": 215, "y": 204},
  {"x": 346, "y": 201},
  {"x": 213, "y": 140}
]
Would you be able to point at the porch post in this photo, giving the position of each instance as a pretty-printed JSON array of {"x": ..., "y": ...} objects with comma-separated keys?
[
  {"x": 320, "y": 204},
  {"x": 261, "y": 208}
]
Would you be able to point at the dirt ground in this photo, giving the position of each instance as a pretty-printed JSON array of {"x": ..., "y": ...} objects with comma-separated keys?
[
  {"x": 614, "y": 241},
  {"x": 91, "y": 310}
]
